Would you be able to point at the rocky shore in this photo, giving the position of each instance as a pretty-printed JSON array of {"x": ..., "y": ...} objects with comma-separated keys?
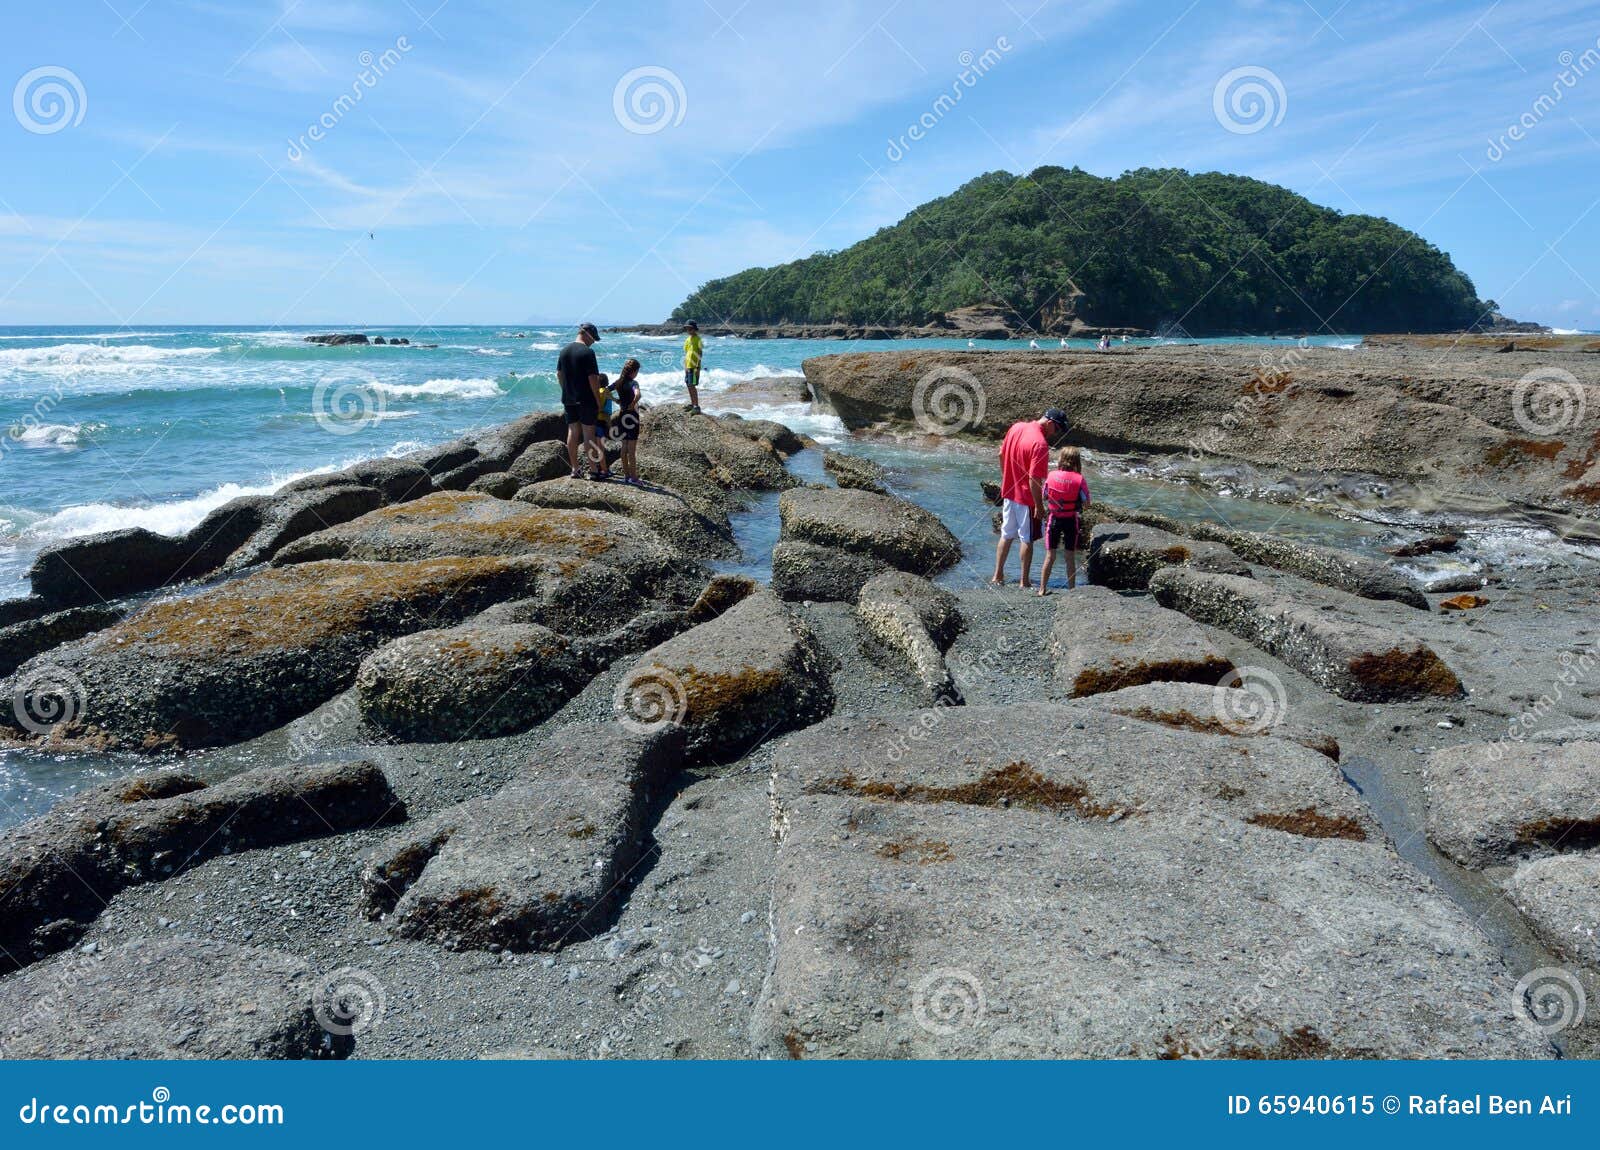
[
  {"x": 453, "y": 756},
  {"x": 1464, "y": 426}
]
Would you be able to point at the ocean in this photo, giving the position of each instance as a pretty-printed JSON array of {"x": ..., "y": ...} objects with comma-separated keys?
[{"x": 154, "y": 427}]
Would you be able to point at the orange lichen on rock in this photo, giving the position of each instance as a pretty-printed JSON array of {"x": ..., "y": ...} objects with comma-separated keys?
[
  {"x": 922, "y": 852},
  {"x": 282, "y": 608},
  {"x": 1464, "y": 602}
]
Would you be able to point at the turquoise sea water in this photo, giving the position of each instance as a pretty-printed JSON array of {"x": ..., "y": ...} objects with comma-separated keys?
[{"x": 154, "y": 427}]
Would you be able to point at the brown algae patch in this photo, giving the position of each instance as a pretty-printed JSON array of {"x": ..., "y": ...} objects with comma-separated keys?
[
  {"x": 1308, "y": 822},
  {"x": 1400, "y": 672},
  {"x": 1014, "y": 785}
]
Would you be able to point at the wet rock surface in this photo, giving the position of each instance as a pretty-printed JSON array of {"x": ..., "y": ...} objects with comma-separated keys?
[
  {"x": 887, "y": 528},
  {"x": 1123, "y": 556}
]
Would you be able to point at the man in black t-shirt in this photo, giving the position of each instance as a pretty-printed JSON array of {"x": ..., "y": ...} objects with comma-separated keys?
[{"x": 579, "y": 375}]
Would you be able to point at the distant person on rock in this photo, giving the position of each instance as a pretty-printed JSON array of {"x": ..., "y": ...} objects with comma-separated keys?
[
  {"x": 1066, "y": 494},
  {"x": 1024, "y": 464},
  {"x": 625, "y": 426},
  {"x": 579, "y": 376},
  {"x": 693, "y": 353}
]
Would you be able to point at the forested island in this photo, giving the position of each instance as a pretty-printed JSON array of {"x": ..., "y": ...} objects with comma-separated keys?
[{"x": 1062, "y": 251}]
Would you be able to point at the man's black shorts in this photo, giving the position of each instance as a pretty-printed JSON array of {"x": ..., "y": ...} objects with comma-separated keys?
[{"x": 587, "y": 414}]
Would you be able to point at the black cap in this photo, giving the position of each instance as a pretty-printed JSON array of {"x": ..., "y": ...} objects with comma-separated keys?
[
  {"x": 691, "y": 326},
  {"x": 1056, "y": 416},
  {"x": 590, "y": 330}
]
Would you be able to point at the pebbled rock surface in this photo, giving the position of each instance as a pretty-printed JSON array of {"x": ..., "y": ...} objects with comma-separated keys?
[
  {"x": 1493, "y": 802},
  {"x": 1560, "y": 898},
  {"x": 1103, "y": 641},
  {"x": 539, "y": 862},
  {"x": 853, "y": 471},
  {"x": 1036, "y": 889},
  {"x": 1123, "y": 556},
  {"x": 806, "y": 571},
  {"x": 475, "y": 680},
  {"x": 1216, "y": 710},
  {"x": 1354, "y": 660},
  {"x": 663, "y": 511},
  {"x": 58, "y": 871},
  {"x": 753, "y": 672},
  {"x": 913, "y": 617},
  {"x": 168, "y": 998},
  {"x": 887, "y": 528}
]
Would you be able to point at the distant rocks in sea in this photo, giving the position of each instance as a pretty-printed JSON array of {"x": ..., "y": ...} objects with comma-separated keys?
[{"x": 344, "y": 339}]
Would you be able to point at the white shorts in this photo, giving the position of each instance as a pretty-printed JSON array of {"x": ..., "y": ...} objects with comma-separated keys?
[{"x": 1016, "y": 521}]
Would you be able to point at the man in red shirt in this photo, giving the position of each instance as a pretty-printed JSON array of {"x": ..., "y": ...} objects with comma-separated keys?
[{"x": 1024, "y": 463}]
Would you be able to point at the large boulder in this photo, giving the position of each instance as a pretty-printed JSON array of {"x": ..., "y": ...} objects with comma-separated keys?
[
  {"x": 58, "y": 871},
  {"x": 712, "y": 447},
  {"x": 853, "y": 471},
  {"x": 892, "y": 530},
  {"x": 663, "y": 511},
  {"x": 501, "y": 446},
  {"x": 541, "y": 461},
  {"x": 458, "y": 523},
  {"x": 396, "y": 480},
  {"x": 239, "y": 534},
  {"x": 917, "y": 619},
  {"x": 1346, "y": 570},
  {"x": 245, "y": 656},
  {"x": 1493, "y": 802},
  {"x": 1123, "y": 556},
  {"x": 1353, "y": 659},
  {"x": 752, "y": 672},
  {"x": 473, "y": 681},
  {"x": 1103, "y": 641},
  {"x": 805, "y": 571},
  {"x": 21, "y": 641},
  {"x": 540, "y": 862},
  {"x": 1013, "y": 884},
  {"x": 1560, "y": 898},
  {"x": 170, "y": 998}
]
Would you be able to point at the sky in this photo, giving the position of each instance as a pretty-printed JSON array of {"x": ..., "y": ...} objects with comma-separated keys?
[{"x": 348, "y": 162}]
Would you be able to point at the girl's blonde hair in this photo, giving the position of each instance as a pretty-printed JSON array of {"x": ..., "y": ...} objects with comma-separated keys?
[{"x": 1069, "y": 459}]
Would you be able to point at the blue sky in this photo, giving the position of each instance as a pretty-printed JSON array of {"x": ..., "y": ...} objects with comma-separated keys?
[{"x": 168, "y": 176}]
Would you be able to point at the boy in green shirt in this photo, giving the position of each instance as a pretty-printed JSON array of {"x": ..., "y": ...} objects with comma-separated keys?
[{"x": 692, "y": 351}]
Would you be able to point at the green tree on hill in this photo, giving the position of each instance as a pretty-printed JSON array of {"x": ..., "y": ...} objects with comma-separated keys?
[{"x": 1149, "y": 249}]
